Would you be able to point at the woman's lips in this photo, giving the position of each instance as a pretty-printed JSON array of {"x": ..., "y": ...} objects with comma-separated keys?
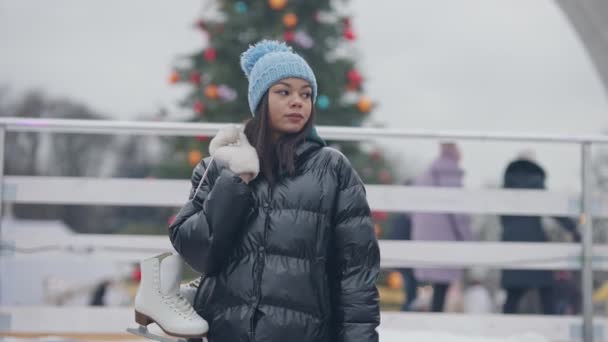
[{"x": 294, "y": 117}]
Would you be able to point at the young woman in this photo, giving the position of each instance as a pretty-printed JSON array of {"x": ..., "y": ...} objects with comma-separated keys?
[{"x": 288, "y": 254}]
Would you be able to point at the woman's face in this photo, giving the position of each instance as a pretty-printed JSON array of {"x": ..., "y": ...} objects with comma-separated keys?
[{"x": 289, "y": 105}]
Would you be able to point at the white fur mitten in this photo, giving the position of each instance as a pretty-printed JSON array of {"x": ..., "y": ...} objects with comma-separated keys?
[{"x": 231, "y": 146}]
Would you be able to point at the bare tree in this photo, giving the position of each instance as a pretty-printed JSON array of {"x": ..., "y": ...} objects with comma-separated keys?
[{"x": 35, "y": 154}]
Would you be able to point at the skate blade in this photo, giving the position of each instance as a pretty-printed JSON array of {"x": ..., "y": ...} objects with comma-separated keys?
[{"x": 143, "y": 332}]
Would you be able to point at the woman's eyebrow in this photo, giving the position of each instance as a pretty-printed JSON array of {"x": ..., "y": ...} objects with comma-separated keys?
[
  {"x": 284, "y": 83},
  {"x": 290, "y": 86}
]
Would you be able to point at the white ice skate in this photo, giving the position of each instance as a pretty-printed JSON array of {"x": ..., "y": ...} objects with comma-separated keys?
[
  {"x": 188, "y": 290},
  {"x": 159, "y": 301}
]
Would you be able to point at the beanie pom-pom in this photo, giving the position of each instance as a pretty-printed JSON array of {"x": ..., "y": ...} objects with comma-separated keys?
[{"x": 257, "y": 51}]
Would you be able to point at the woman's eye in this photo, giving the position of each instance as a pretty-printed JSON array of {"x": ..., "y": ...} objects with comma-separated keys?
[
  {"x": 307, "y": 95},
  {"x": 283, "y": 92}
]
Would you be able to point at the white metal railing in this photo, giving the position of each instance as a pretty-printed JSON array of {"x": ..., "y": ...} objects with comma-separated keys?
[
  {"x": 391, "y": 198},
  {"x": 327, "y": 132},
  {"x": 395, "y": 254},
  {"x": 22, "y": 190},
  {"x": 132, "y": 248}
]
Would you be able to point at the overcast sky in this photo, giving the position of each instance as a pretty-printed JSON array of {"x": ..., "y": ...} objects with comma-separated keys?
[{"x": 482, "y": 65}]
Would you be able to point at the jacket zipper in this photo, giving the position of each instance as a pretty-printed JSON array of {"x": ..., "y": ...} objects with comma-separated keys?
[{"x": 260, "y": 261}]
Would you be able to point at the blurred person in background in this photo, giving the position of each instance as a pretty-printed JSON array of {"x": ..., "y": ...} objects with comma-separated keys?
[
  {"x": 98, "y": 298},
  {"x": 525, "y": 173},
  {"x": 567, "y": 292},
  {"x": 476, "y": 298},
  {"x": 444, "y": 171},
  {"x": 402, "y": 230}
]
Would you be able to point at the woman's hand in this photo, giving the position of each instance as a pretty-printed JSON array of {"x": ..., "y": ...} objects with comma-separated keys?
[
  {"x": 246, "y": 177},
  {"x": 226, "y": 136},
  {"x": 231, "y": 146}
]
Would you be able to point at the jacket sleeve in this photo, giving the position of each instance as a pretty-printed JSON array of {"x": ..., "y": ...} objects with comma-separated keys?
[
  {"x": 206, "y": 225},
  {"x": 569, "y": 225},
  {"x": 357, "y": 262}
]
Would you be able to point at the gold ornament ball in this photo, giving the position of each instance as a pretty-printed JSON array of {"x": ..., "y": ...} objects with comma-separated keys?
[
  {"x": 394, "y": 280},
  {"x": 211, "y": 91},
  {"x": 194, "y": 157},
  {"x": 290, "y": 20},
  {"x": 377, "y": 230},
  {"x": 174, "y": 78},
  {"x": 364, "y": 104},
  {"x": 277, "y": 4}
]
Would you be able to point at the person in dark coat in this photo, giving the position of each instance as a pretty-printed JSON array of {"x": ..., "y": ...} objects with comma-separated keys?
[
  {"x": 289, "y": 255},
  {"x": 524, "y": 173},
  {"x": 402, "y": 230},
  {"x": 99, "y": 294},
  {"x": 402, "y": 225}
]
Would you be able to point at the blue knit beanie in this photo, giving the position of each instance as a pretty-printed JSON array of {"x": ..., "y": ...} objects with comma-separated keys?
[{"x": 269, "y": 61}]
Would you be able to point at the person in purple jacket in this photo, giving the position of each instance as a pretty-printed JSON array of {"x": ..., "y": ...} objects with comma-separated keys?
[{"x": 446, "y": 172}]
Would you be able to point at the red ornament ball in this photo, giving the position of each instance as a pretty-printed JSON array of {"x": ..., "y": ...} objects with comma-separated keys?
[
  {"x": 354, "y": 76},
  {"x": 289, "y": 36},
  {"x": 201, "y": 24},
  {"x": 195, "y": 78},
  {"x": 376, "y": 155},
  {"x": 349, "y": 34},
  {"x": 385, "y": 177},
  {"x": 171, "y": 219},
  {"x": 210, "y": 54},
  {"x": 136, "y": 274},
  {"x": 379, "y": 216},
  {"x": 198, "y": 107}
]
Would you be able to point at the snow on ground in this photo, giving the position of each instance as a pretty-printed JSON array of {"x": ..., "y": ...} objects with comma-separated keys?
[{"x": 388, "y": 335}]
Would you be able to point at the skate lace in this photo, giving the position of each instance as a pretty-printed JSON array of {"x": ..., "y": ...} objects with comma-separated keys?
[
  {"x": 181, "y": 305},
  {"x": 195, "y": 283}
]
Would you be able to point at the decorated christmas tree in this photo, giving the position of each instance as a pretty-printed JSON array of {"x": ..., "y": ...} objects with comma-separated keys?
[{"x": 318, "y": 30}]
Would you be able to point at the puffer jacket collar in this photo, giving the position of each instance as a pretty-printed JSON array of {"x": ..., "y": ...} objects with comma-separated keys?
[
  {"x": 303, "y": 151},
  {"x": 313, "y": 135}
]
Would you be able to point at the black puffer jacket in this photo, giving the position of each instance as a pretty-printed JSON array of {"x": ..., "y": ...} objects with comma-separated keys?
[{"x": 297, "y": 262}]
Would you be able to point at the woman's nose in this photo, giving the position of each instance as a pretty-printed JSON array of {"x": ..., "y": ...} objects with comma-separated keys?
[{"x": 296, "y": 101}]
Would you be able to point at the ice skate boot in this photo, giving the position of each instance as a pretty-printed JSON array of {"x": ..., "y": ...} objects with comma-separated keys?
[
  {"x": 159, "y": 301},
  {"x": 188, "y": 290}
]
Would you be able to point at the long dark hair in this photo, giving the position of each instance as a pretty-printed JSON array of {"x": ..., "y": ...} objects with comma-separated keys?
[{"x": 274, "y": 156}]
